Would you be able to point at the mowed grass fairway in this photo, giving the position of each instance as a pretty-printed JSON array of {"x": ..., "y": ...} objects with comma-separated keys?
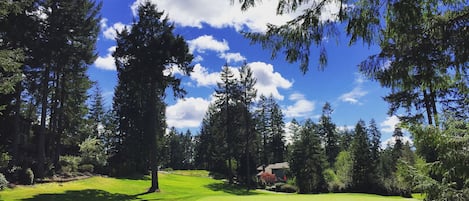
[{"x": 179, "y": 185}]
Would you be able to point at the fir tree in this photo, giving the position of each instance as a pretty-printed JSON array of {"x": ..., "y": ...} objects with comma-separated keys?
[{"x": 143, "y": 54}]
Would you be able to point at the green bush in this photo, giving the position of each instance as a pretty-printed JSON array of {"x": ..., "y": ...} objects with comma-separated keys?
[
  {"x": 3, "y": 182},
  {"x": 86, "y": 168},
  {"x": 69, "y": 164},
  {"x": 26, "y": 177},
  {"x": 287, "y": 188},
  {"x": 4, "y": 160},
  {"x": 92, "y": 152}
]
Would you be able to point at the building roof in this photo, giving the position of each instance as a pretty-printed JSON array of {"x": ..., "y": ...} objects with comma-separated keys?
[{"x": 275, "y": 166}]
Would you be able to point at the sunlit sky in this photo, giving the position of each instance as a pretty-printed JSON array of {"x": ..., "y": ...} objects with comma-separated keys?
[{"x": 212, "y": 31}]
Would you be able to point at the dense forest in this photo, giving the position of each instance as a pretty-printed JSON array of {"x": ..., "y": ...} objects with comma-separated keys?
[{"x": 53, "y": 121}]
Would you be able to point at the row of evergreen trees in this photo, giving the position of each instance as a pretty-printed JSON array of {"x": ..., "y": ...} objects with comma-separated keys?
[{"x": 46, "y": 48}]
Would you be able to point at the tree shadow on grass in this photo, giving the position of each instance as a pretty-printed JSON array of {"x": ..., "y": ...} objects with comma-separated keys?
[
  {"x": 85, "y": 195},
  {"x": 230, "y": 188}
]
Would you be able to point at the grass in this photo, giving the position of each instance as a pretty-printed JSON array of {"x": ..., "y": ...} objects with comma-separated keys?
[{"x": 176, "y": 185}]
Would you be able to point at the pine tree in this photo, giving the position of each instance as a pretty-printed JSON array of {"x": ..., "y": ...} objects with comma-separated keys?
[
  {"x": 97, "y": 111},
  {"x": 263, "y": 130},
  {"x": 361, "y": 157},
  {"x": 248, "y": 94},
  {"x": 228, "y": 94},
  {"x": 327, "y": 131},
  {"x": 277, "y": 132},
  {"x": 69, "y": 34},
  {"x": 375, "y": 141},
  {"x": 307, "y": 160},
  {"x": 142, "y": 56}
]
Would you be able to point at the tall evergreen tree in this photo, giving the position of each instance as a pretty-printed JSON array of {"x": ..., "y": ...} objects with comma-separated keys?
[
  {"x": 97, "y": 111},
  {"x": 307, "y": 160},
  {"x": 211, "y": 144},
  {"x": 361, "y": 157},
  {"x": 68, "y": 33},
  {"x": 143, "y": 55},
  {"x": 228, "y": 94},
  {"x": 277, "y": 126},
  {"x": 375, "y": 143},
  {"x": 263, "y": 130},
  {"x": 248, "y": 94},
  {"x": 327, "y": 131}
]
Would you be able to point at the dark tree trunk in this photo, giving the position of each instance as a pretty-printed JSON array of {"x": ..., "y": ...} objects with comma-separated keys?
[
  {"x": 16, "y": 125},
  {"x": 152, "y": 136},
  {"x": 435, "y": 110},
  {"x": 428, "y": 107},
  {"x": 41, "y": 154}
]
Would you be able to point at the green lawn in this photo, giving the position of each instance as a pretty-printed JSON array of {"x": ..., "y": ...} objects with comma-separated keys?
[{"x": 178, "y": 185}]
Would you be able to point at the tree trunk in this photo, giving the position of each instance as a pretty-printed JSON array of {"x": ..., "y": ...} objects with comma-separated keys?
[
  {"x": 428, "y": 107},
  {"x": 41, "y": 154},
  {"x": 435, "y": 110},
  {"x": 16, "y": 125},
  {"x": 152, "y": 135}
]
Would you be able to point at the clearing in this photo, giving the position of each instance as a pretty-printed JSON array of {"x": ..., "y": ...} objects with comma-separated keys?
[{"x": 177, "y": 185}]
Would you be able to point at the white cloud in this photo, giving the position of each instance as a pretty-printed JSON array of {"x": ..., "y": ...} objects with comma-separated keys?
[
  {"x": 207, "y": 42},
  {"x": 301, "y": 108},
  {"x": 187, "y": 113},
  {"x": 357, "y": 92},
  {"x": 232, "y": 57},
  {"x": 392, "y": 140},
  {"x": 106, "y": 62},
  {"x": 389, "y": 124},
  {"x": 221, "y": 13},
  {"x": 198, "y": 58},
  {"x": 353, "y": 96},
  {"x": 202, "y": 77},
  {"x": 268, "y": 81},
  {"x": 110, "y": 32},
  {"x": 103, "y": 23},
  {"x": 345, "y": 128}
]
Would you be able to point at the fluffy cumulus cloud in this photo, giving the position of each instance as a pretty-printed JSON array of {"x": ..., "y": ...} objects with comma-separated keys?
[
  {"x": 110, "y": 31},
  {"x": 186, "y": 113},
  {"x": 106, "y": 62},
  {"x": 204, "y": 78},
  {"x": 222, "y": 13},
  {"x": 301, "y": 107},
  {"x": 207, "y": 42},
  {"x": 389, "y": 124},
  {"x": 232, "y": 57},
  {"x": 357, "y": 92},
  {"x": 269, "y": 81}
]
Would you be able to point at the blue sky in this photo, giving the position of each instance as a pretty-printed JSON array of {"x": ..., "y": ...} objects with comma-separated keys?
[{"x": 211, "y": 28}]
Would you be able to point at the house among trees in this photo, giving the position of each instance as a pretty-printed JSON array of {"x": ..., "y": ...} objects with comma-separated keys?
[{"x": 277, "y": 170}]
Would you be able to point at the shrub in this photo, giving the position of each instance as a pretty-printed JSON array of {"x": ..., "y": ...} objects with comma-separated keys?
[
  {"x": 86, "y": 168},
  {"x": 69, "y": 164},
  {"x": 92, "y": 152},
  {"x": 3, "y": 182},
  {"x": 334, "y": 184},
  {"x": 278, "y": 186},
  {"x": 168, "y": 169},
  {"x": 26, "y": 177},
  {"x": 4, "y": 160},
  {"x": 287, "y": 188}
]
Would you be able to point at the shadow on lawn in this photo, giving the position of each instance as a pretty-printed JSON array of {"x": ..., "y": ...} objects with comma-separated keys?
[
  {"x": 230, "y": 188},
  {"x": 86, "y": 195}
]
